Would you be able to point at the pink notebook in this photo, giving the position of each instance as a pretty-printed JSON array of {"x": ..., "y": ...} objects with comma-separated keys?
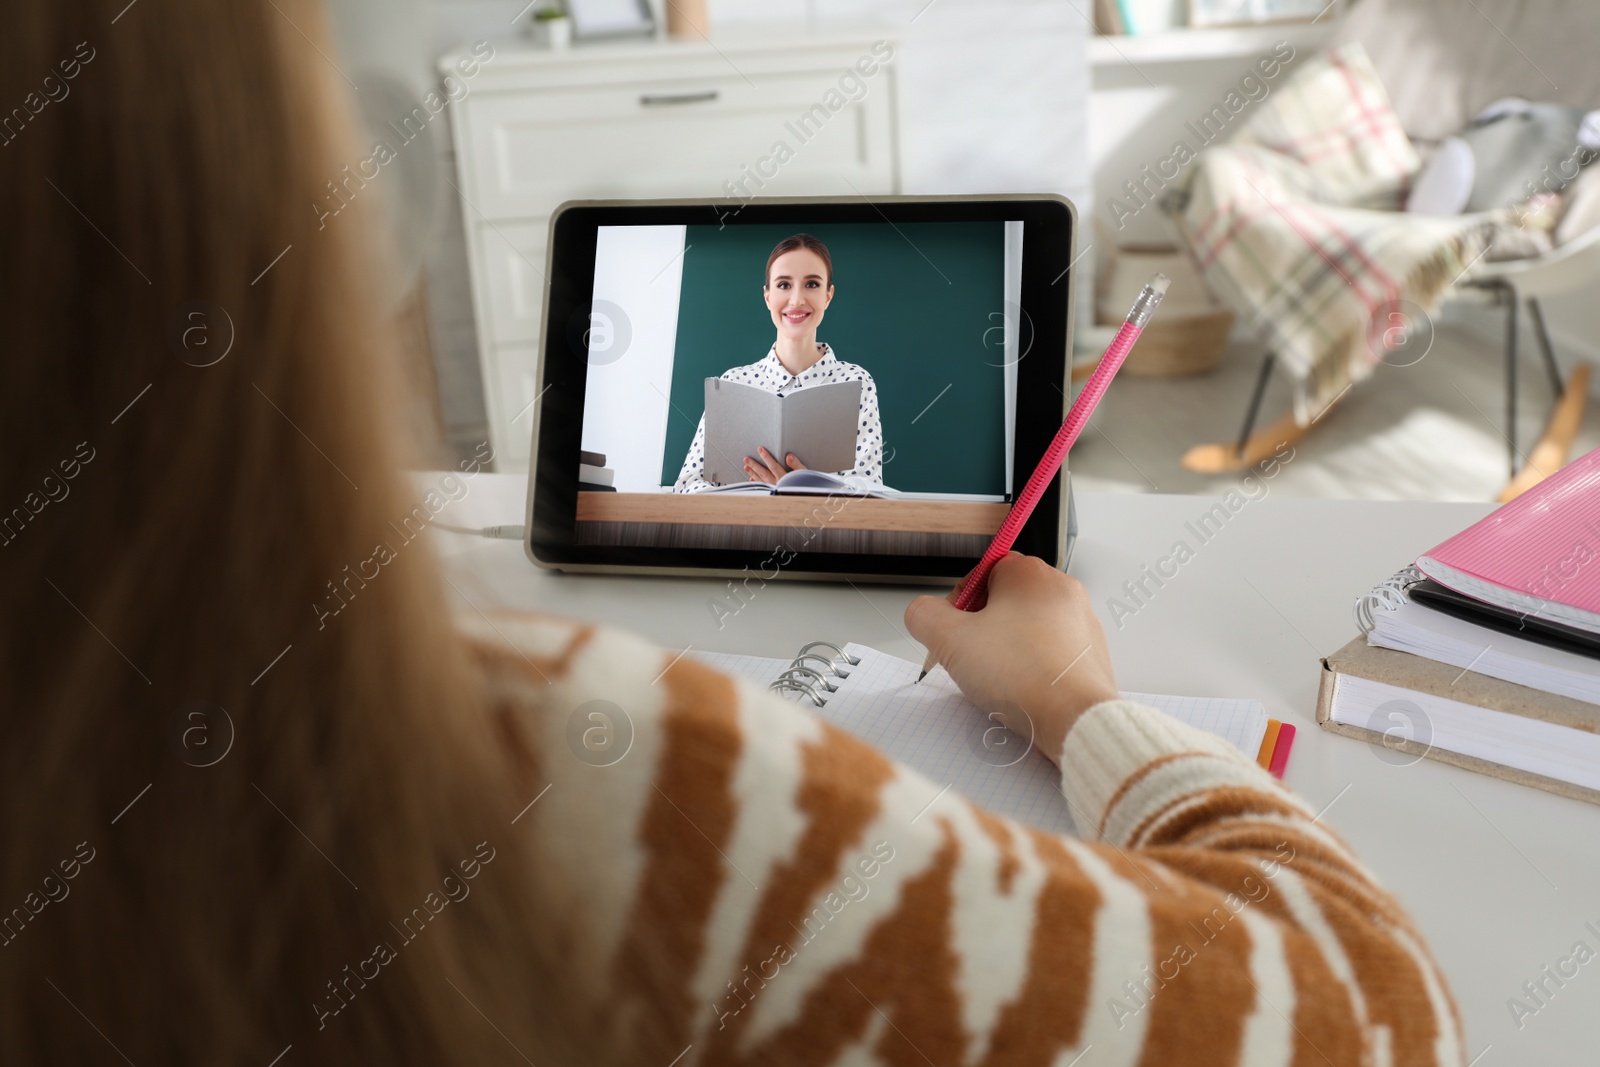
[{"x": 1538, "y": 554}]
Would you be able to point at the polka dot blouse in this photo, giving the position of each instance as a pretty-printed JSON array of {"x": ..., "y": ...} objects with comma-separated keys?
[{"x": 771, "y": 375}]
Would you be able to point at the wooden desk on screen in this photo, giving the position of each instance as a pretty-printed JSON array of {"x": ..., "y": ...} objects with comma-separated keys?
[{"x": 801, "y": 523}]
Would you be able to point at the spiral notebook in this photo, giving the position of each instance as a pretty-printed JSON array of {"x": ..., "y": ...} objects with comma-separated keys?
[
  {"x": 1411, "y": 613},
  {"x": 935, "y": 730}
]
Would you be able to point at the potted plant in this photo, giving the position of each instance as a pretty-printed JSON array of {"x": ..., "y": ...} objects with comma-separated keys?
[{"x": 550, "y": 27}]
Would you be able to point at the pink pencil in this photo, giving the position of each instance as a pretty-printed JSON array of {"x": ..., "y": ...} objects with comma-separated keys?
[{"x": 1050, "y": 465}]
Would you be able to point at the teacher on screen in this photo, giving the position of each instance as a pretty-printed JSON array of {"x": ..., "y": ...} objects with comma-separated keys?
[{"x": 798, "y": 288}]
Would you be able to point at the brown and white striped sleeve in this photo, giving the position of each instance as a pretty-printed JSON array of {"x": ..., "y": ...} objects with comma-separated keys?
[{"x": 765, "y": 889}]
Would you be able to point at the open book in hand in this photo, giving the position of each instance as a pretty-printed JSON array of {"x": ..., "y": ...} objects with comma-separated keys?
[
  {"x": 816, "y": 483},
  {"x": 817, "y": 424}
]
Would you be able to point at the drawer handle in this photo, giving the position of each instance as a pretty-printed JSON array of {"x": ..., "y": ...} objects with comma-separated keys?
[{"x": 671, "y": 99}]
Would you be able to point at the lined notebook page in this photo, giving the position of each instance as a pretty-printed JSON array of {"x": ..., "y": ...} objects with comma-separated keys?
[{"x": 932, "y": 728}]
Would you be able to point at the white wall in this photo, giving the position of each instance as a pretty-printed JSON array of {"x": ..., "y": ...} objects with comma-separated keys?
[
  {"x": 640, "y": 270},
  {"x": 1142, "y": 97}
]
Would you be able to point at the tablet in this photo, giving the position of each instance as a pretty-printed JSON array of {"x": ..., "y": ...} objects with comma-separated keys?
[{"x": 691, "y": 363}]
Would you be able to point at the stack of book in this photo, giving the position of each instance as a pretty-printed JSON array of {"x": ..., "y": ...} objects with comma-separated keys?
[{"x": 1486, "y": 652}]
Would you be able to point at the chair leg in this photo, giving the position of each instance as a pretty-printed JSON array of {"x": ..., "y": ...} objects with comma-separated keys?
[
  {"x": 1255, "y": 401},
  {"x": 1253, "y": 445},
  {"x": 1545, "y": 348},
  {"x": 1549, "y": 453},
  {"x": 1510, "y": 296}
]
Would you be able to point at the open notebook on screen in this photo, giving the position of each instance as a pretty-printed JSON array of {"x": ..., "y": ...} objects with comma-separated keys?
[{"x": 935, "y": 730}]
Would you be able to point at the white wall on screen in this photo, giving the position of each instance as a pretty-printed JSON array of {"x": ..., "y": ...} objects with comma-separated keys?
[
  {"x": 639, "y": 269},
  {"x": 1016, "y": 330}
]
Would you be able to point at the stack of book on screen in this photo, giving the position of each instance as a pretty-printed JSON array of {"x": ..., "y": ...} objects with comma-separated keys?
[
  {"x": 593, "y": 474},
  {"x": 1486, "y": 652}
]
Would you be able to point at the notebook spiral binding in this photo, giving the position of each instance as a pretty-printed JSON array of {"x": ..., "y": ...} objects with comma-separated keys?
[
  {"x": 1388, "y": 594},
  {"x": 813, "y": 682}
]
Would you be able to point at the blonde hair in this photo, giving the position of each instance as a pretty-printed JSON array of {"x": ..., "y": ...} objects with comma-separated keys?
[{"x": 215, "y": 899}]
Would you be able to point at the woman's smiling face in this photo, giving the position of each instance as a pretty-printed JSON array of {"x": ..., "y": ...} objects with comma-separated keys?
[{"x": 798, "y": 292}]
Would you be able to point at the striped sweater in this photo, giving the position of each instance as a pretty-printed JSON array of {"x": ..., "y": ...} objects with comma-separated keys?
[{"x": 780, "y": 892}]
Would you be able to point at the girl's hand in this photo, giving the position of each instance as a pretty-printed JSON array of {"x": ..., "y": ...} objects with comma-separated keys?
[
  {"x": 1034, "y": 654},
  {"x": 769, "y": 470}
]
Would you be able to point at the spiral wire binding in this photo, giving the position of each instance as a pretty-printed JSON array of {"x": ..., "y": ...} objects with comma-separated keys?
[
  {"x": 1389, "y": 594},
  {"x": 812, "y": 682}
]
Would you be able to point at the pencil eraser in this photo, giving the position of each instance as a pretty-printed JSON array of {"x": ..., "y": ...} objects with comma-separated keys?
[{"x": 1160, "y": 283}]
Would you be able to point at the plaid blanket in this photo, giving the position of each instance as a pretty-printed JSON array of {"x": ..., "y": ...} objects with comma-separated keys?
[{"x": 1297, "y": 223}]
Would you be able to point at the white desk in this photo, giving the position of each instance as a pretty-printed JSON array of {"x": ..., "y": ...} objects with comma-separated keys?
[{"x": 1501, "y": 878}]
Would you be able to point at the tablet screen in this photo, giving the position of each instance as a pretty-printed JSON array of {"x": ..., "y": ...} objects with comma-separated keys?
[
  {"x": 827, "y": 387},
  {"x": 860, "y": 387}
]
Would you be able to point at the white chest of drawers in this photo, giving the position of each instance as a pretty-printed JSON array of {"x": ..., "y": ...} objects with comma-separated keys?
[{"x": 645, "y": 119}]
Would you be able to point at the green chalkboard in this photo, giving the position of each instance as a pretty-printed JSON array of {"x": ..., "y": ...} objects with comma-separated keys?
[{"x": 919, "y": 305}]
